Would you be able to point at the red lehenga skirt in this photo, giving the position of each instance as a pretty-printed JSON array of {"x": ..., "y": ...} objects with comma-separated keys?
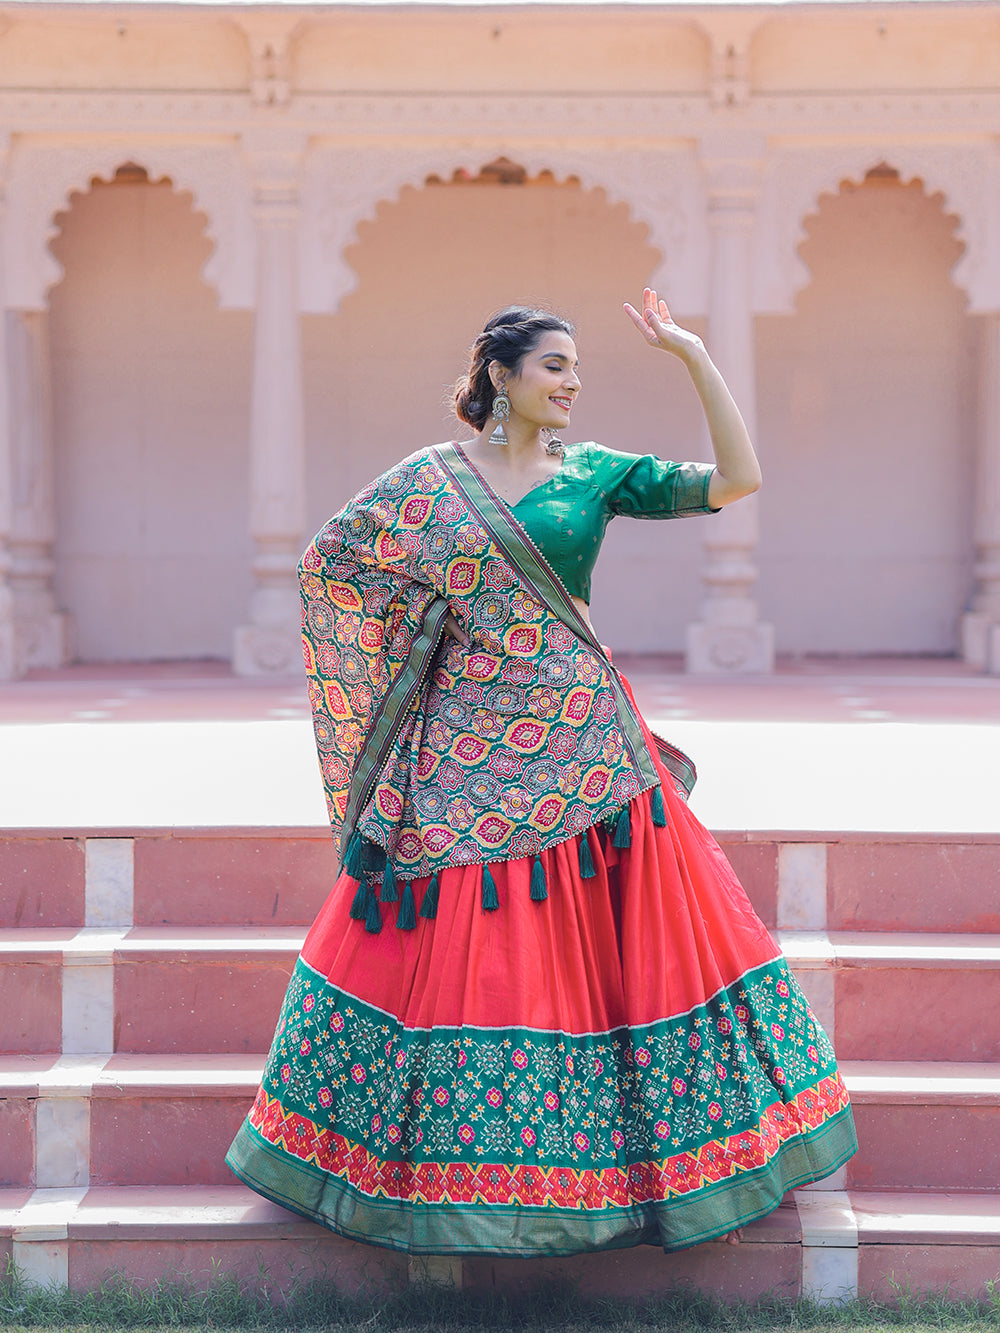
[{"x": 625, "y": 1060}]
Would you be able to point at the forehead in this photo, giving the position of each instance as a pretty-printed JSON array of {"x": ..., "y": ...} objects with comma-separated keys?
[{"x": 554, "y": 342}]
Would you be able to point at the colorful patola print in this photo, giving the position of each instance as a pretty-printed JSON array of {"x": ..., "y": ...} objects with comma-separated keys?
[
  {"x": 442, "y": 1133},
  {"x": 456, "y": 756}
]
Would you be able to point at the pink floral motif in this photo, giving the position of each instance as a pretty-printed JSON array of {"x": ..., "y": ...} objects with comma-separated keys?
[
  {"x": 642, "y": 1056},
  {"x": 714, "y": 1110},
  {"x": 782, "y": 988},
  {"x": 742, "y": 1013},
  {"x": 551, "y": 1101},
  {"x": 461, "y": 814},
  {"x": 519, "y": 1059},
  {"x": 400, "y": 1059},
  {"x": 461, "y": 1059},
  {"x": 466, "y": 1133},
  {"x": 813, "y": 1054},
  {"x": 528, "y": 1136},
  {"x": 358, "y": 1073},
  {"x": 777, "y": 1032},
  {"x": 394, "y": 1133},
  {"x": 325, "y": 1097},
  {"x": 618, "y": 1138},
  {"x": 442, "y": 1096},
  {"x": 694, "y": 1041},
  {"x": 494, "y": 1096},
  {"x": 724, "y": 1026},
  {"x": 306, "y": 1047},
  {"x": 661, "y": 1129},
  {"x": 544, "y": 702},
  {"x": 337, "y": 1021},
  {"x": 286, "y": 1073},
  {"x": 309, "y": 1003},
  {"x": 376, "y": 1123},
  {"x": 581, "y": 1141},
  {"x": 779, "y": 1076},
  {"x": 561, "y": 743},
  {"x": 678, "y": 1087},
  {"x": 721, "y": 1072},
  {"x": 505, "y": 764}
]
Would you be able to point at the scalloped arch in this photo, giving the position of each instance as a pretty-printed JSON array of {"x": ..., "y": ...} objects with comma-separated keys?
[
  {"x": 343, "y": 187},
  {"x": 42, "y": 179},
  {"x": 796, "y": 179}
]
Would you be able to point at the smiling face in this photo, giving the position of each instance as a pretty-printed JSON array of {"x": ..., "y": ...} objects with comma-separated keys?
[{"x": 546, "y": 385}]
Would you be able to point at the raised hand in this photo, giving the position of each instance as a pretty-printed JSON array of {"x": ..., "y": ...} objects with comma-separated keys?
[{"x": 658, "y": 328}]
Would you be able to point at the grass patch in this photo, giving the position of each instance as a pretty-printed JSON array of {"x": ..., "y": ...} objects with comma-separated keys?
[{"x": 229, "y": 1303}]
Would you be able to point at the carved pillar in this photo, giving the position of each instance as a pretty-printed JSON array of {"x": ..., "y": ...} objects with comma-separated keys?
[
  {"x": 981, "y": 623},
  {"x": 41, "y": 630},
  {"x": 270, "y": 642},
  {"x": 8, "y": 660},
  {"x": 729, "y": 637}
]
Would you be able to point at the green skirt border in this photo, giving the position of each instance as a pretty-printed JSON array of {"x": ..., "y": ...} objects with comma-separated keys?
[{"x": 533, "y": 1232}]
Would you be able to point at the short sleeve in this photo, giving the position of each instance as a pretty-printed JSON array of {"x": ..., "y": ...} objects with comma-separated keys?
[{"x": 644, "y": 486}]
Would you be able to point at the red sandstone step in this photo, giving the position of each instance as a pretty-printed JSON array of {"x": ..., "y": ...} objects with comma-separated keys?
[
  {"x": 926, "y": 1241},
  {"x": 168, "y": 1120}
]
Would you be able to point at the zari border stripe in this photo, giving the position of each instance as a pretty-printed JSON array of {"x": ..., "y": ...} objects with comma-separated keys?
[
  {"x": 482, "y": 1226},
  {"x": 389, "y": 717},
  {"x": 496, "y": 517}
]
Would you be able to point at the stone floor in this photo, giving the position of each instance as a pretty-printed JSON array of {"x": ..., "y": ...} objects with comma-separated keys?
[{"x": 871, "y": 744}]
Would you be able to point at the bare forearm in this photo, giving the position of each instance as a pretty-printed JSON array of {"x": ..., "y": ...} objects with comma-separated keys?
[{"x": 737, "y": 470}]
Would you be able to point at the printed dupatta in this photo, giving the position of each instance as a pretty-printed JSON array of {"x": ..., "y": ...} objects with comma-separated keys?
[{"x": 441, "y": 755}]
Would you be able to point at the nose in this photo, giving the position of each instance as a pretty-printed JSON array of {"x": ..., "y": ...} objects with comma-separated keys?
[{"x": 572, "y": 381}]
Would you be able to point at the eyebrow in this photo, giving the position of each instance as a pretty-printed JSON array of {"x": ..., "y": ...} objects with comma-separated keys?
[{"x": 559, "y": 356}]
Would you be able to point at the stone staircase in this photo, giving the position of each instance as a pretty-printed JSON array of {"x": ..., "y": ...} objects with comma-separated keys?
[{"x": 140, "y": 977}]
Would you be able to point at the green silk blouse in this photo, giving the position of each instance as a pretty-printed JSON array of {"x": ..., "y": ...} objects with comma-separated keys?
[{"x": 567, "y": 515}]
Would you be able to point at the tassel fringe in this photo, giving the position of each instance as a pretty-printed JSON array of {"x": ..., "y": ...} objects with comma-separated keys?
[
  {"x": 406, "y": 917},
  {"x": 352, "y": 858},
  {"x": 587, "y": 868},
  {"x": 429, "y": 906},
  {"x": 390, "y": 893},
  {"x": 360, "y": 902},
  {"x": 373, "y": 912},
  {"x": 623, "y": 829},
  {"x": 656, "y": 806},
  {"x": 539, "y": 888},
  {"x": 490, "y": 900}
]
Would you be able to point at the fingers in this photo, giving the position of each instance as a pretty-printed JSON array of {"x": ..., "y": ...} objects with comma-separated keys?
[{"x": 640, "y": 323}]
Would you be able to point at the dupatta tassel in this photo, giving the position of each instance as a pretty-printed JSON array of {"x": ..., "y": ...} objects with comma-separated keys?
[
  {"x": 429, "y": 906},
  {"x": 360, "y": 903},
  {"x": 352, "y": 858},
  {"x": 390, "y": 893},
  {"x": 490, "y": 900},
  {"x": 539, "y": 888},
  {"x": 406, "y": 917},
  {"x": 623, "y": 829},
  {"x": 587, "y": 868},
  {"x": 373, "y": 912},
  {"x": 656, "y": 806}
]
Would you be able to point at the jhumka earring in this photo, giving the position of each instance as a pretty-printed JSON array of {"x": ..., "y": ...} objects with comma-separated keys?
[
  {"x": 501, "y": 413},
  {"x": 553, "y": 444}
]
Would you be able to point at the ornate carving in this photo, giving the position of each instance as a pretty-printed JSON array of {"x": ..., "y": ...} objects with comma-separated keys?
[
  {"x": 342, "y": 186},
  {"x": 43, "y": 175},
  {"x": 968, "y": 175}
]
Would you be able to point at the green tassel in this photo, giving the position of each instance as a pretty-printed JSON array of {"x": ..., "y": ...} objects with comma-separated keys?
[
  {"x": 623, "y": 829},
  {"x": 587, "y": 868},
  {"x": 656, "y": 805},
  {"x": 390, "y": 894},
  {"x": 406, "y": 917},
  {"x": 490, "y": 900},
  {"x": 539, "y": 889},
  {"x": 352, "y": 857},
  {"x": 373, "y": 913},
  {"x": 360, "y": 902},
  {"x": 372, "y": 858},
  {"x": 429, "y": 907}
]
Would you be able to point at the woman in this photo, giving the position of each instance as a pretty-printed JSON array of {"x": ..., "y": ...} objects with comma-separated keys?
[{"x": 537, "y": 1014}]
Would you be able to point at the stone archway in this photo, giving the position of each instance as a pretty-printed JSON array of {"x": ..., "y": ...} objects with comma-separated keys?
[
  {"x": 866, "y": 408},
  {"x": 150, "y": 392},
  {"x": 431, "y": 265}
]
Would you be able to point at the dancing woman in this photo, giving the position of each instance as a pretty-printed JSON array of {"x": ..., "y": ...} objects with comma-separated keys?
[{"x": 537, "y": 1013}]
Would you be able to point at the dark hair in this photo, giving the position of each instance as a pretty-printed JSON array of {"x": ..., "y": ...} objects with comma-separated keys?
[{"x": 508, "y": 337}]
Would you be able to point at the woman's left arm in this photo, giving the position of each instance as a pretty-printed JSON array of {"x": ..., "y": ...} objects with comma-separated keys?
[{"x": 737, "y": 471}]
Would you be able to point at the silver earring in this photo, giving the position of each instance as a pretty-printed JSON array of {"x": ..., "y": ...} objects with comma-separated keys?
[
  {"x": 553, "y": 444},
  {"x": 501, "y": 413}
]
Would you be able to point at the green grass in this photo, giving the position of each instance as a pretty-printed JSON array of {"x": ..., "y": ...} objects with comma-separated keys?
[{"x": 315, "y": 1305}]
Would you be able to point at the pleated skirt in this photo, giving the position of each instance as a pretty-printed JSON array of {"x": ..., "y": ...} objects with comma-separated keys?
[{"x": 624, "y": 1060}]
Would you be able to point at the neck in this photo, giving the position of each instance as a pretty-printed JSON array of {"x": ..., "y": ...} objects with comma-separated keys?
[{"x": 524, "y": 440}]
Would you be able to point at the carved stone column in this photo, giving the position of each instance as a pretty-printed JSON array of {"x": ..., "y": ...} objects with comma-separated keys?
[
  {"x": 270, "y": 642},
  {"x": 8, "y": 658},
  {"x": 41, "y": 630},
  {"x": 730, "y": 637},
  {"x": 981, "y": 623}
]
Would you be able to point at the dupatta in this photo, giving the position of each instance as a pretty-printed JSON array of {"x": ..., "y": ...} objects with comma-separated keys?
[{"x": 434, "y": 754}]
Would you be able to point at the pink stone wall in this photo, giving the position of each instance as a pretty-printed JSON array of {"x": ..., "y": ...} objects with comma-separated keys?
[{"x": 151, "y": 388}]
